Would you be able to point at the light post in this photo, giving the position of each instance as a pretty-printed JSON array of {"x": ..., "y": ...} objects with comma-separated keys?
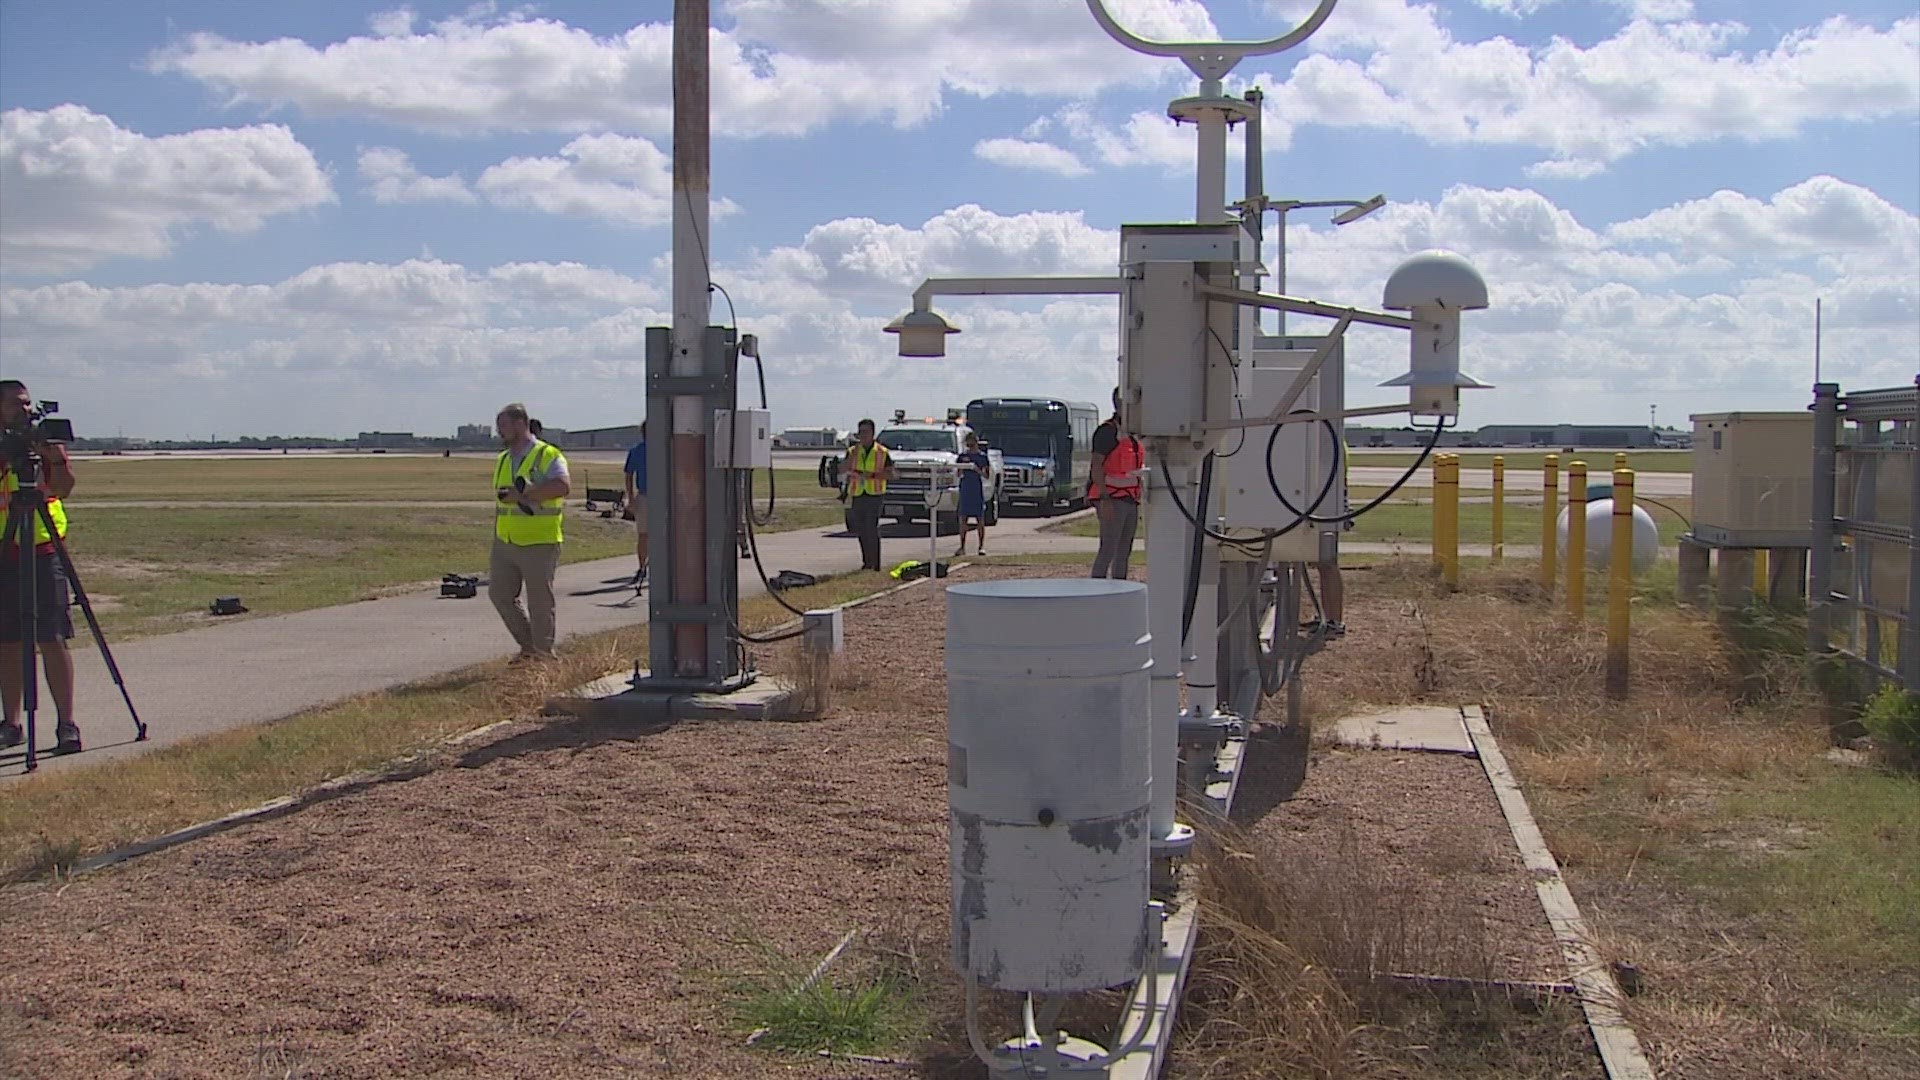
[{"x": 1355, "y": 210}]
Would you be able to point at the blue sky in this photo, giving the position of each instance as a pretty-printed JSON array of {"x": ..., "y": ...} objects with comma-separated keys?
[{"x": 233, "y": 216}]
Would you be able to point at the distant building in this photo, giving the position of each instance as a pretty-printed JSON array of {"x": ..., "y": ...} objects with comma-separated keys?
[
  {"x": 607, "y": 438},
  {"x": 1364, "y": 436},
  {"x": 386, "y": 440},
  {"x": 473, "y": 434}
]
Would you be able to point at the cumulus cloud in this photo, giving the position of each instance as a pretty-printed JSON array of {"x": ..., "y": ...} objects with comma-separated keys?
[
  {"x": 77, "y": 189},
  {"x": 391, "y": 178},
  {"x": 785, "y": 67},
  {"x": 1393, "y": 65},
  {"x": 1703, "y": 305},
  {"x": 1029, "y": 154},
  {"x": 612, "y": 178}
]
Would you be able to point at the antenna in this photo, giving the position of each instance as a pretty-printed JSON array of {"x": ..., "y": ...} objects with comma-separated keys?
[{"x": 1816, "y": 340}]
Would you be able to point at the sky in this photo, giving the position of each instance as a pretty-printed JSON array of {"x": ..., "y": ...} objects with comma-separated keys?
[{"x": 224, "y": 217}]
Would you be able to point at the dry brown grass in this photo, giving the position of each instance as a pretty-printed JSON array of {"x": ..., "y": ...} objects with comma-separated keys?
[
  {"x": 1306, "y": 974},
  {"x": 1695, "y": 818}
]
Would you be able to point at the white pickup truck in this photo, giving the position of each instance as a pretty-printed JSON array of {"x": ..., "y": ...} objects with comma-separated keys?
[{"x": 918, "y": 449}]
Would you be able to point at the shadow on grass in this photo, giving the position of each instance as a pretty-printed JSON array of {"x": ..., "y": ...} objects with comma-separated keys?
[
  {"x": 564, "y": 733},
  {"x": 1276, "y": 767}
]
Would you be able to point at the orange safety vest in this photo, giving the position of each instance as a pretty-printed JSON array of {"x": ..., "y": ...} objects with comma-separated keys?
[{"x": 1122, "y": 464}]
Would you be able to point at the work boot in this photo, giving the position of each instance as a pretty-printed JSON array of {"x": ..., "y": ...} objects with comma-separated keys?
[
  {"x": 10, "y": 734},
  {"x": 66, "y": 738}
]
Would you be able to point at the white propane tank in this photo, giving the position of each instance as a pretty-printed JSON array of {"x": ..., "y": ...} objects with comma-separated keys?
[
  {"x": 1047, "y": 782},
  {"x": 1646, "y": 535}
]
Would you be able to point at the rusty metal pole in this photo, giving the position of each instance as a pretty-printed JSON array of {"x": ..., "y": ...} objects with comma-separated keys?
[{"x": 687, "y": 528}]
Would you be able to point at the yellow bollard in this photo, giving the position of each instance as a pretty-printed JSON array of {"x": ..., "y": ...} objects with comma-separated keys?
[
  {"x": 1549, "y": 511},
  {"x": 1499, "y": 507},
  {"x": 1620, "y": 583},
  {"x": 1619, "y": 459},
  {"x": 1760, "y": 568},
  {"x": 1446, "y": 493},
  {"x": 1436, "y": 469},
  {"x": 1577, "y": 540}
]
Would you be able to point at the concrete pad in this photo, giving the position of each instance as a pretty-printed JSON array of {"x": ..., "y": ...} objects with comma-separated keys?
[
  {"x": 614, "y": 698},
  {"x": 1413, "y": 727}
]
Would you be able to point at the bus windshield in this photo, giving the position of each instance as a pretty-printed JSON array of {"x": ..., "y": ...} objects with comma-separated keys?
[{"x": 1023, "y": 442}]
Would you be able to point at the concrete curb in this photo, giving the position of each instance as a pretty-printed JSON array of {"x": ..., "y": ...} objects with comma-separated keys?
[{"x": 414, "y": 764}]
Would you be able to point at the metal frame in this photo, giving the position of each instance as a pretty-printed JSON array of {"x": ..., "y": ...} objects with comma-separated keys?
[
  {"x": 719, "y": 614},
  {"x": 1842, "y": 564}
]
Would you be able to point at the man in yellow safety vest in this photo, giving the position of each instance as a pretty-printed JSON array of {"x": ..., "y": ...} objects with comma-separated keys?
[
  {"x": 867, "y": 468},
  {"x": 53, "y": 625},
  {"x": 530, "y": 488}
]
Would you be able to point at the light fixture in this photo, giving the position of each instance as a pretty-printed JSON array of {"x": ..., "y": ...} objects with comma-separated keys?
[
  {"x": 922, "y": 333},
  {"x": 1359, "y": 210}
]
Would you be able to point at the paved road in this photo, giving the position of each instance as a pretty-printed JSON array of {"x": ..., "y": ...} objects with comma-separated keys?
[{"x": 234, "y": 674}]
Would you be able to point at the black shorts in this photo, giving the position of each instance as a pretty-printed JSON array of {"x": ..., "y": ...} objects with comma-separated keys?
[{"x": 50, "y": 589}]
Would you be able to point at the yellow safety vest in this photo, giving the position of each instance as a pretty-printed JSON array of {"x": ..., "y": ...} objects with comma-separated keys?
[
  {"x": 9, "y": 484},
  {"x": 875, "y": 462},
  {"x": 510, "y": 522}
]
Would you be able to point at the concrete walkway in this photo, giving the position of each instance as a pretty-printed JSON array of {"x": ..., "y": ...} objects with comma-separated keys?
[{"x": 257, "y": 670}]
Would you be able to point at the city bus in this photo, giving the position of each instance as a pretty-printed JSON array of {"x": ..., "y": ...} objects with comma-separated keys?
[{"x": 1047, "y": 446}]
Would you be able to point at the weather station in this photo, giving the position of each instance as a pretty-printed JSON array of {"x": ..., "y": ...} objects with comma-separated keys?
[{"x": 1066, "y": 866}]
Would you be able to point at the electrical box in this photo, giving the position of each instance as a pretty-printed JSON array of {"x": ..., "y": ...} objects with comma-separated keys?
[
  {"x": 1753, "y": 478},
  {"x": 822, "y": 631},
  {"x": 1305, "y": 456},
  {"x": 1175, "y": 368},
  {"x": 742, "y": 439}
]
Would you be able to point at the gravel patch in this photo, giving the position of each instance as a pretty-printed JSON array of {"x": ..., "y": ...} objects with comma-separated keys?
[{"x": 573, "y": 899}]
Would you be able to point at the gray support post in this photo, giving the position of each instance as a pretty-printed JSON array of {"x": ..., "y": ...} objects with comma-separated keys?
[
  {"x": 1910, "y": 627},
  {"x": 1826, "y": 436},
  {"x": 1696, "y": 562},
  {"x": 1733, "y": 586}
]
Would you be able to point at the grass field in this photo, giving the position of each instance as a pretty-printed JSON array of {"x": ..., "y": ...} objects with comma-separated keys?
[
  {"x": 153, "y": 569},
  {"x": 383, "y": 478},
  {"x": 1663, "y": 461}
]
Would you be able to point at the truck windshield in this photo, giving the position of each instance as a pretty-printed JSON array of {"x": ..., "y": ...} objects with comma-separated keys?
[
  {"x": 1023, "y": 442},
  {"x": 908, "y": 439}
]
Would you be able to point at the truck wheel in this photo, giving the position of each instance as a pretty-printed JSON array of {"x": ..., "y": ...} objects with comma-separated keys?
[{"x": 993, "y": 512}]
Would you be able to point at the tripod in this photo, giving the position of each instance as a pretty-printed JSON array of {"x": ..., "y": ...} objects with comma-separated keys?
[{"x": 26, "y": 505}]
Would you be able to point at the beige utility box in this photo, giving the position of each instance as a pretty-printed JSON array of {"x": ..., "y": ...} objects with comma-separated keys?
[{"x": 1753, "y": 479}]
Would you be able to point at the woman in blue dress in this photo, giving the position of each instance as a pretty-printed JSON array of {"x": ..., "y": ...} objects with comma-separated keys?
[{"x": 974, "y": 470}]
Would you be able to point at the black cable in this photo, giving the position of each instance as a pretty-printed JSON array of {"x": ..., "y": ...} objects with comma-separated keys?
[
  {"x": 753, "y": 548},
  {"x": 1239, "y": 407},
  {"x": 1195, "y": 555},
  {"x": 1262, "y": 536},
  {"x": 1668, "y": 509},
  {"x": 1340, "y": 454}
]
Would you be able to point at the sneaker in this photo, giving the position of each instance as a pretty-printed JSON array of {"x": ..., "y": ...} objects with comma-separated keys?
[
  {"x": 10, "y": 734},
  {"x": 1336, "y": 629},
  {"x": 67, "y": 739},
  {"x": 522, "y": 657},
  {"x": 981, "y": 553}
]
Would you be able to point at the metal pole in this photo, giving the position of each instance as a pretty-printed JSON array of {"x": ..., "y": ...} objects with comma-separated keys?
[
  {"x": 1826, "y": 436},
  {"x": 687, "y": 533},
  {"x": 1166, "y": 564},
  {"x": 1280, "y": 263},
  {"x": 1446, "y": 493}
]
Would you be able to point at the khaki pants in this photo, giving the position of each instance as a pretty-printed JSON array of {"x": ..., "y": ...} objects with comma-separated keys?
[{"x": 532, "y": 566}]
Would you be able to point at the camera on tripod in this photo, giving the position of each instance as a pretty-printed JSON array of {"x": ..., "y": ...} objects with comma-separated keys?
[{"x": 38, "y": 426}]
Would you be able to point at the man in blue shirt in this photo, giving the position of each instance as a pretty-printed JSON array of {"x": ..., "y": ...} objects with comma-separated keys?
[
  {"x": 974, "y": 470},
  {"x": 637, "y": 501}
]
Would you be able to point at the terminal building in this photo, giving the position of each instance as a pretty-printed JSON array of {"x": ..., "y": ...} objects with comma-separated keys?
[{"x": 1622, "y": 436}]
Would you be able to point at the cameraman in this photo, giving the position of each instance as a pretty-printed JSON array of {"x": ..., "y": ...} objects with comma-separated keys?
[{"x": 54, "y": 625}]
